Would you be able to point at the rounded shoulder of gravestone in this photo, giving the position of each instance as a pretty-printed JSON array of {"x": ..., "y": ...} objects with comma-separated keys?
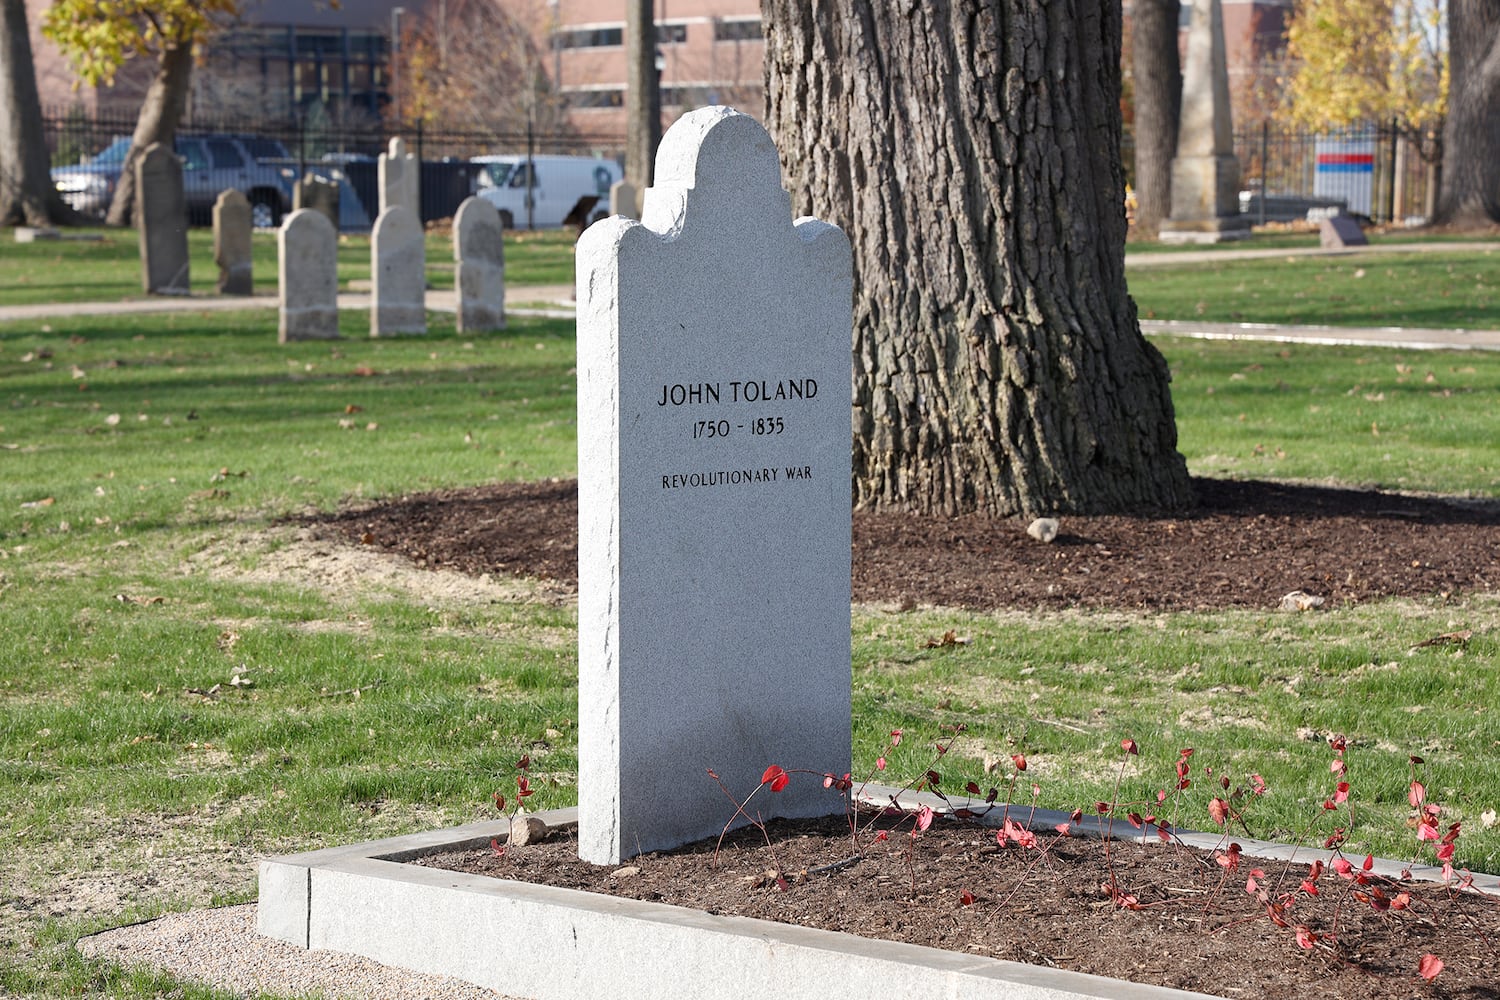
[
  {"x": 307, "y": 223},
  {"x": 477, "y": 230},
  {"x": 715, "y": 168}
]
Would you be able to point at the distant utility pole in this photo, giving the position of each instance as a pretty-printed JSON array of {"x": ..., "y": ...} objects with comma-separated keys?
[{"x": 642, "y": 93}]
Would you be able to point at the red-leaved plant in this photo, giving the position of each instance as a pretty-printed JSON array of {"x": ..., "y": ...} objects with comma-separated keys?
[{"x": 1354, "y": 881}]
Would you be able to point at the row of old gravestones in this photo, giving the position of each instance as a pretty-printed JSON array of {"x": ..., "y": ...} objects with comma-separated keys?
[{"x": 308, "y": 250}]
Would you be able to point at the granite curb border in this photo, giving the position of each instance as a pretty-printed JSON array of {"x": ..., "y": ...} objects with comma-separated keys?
[{"x": 365, "y": 900}]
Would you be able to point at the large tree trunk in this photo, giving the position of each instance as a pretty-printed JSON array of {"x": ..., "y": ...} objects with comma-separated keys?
[
  {"x": 27, "y": 193},
  {"x": 1156, "y": 72},
  {"x": 971, "y": 149},
  {"x": 642, "y": 93},
  {"x": 166, "y": 100},
  {"x": 1470, "y": 192}
]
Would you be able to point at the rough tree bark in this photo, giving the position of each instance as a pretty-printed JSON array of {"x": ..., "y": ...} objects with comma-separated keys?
[
  {"x": 971, "y": 149},
  {"x": 1470, "y": 193},
  {"x": 166, "y": 100},
  {"x": 27, "y": 194},
  {"x": 1156, "y": 72}
]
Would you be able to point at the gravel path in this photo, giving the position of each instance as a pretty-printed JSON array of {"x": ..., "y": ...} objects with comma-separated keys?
[{"x": 220, "y": 947}]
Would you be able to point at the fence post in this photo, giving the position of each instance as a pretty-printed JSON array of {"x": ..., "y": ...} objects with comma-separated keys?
[
  {"x": 1390, "y": 192},
  {"x": 1265, "y": 162},
  {"x": 420, "y": 216}
]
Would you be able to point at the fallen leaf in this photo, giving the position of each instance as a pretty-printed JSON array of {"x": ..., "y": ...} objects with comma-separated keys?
[
  {"x": 44, "y": 502},
  {"x": 128, "y": 599},
  {"x": 364, "y": 371},
  {"x": 1299, "y": 600},
  {"x": 950, "y": 638},
  {"x": 1459, "y": 638}
]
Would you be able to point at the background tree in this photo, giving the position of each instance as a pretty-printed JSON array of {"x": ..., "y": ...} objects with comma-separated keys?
[
  {"x": 1156, "y": 74},
  {"x": 474, "y": 64},
  {"x": 1356, "y": 61},
  {"x": 26, "y": 190},
  {"x": 971, "y": 150},
  {"x": 97, "y": 39},
  {"x": 1470, "y": 193},
  {"x": 642, "y": 93}
]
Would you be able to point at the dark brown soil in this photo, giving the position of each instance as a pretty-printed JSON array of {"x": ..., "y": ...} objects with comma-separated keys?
[
  {"x": 1191, "y": 924},
  {"x": 1247, "y": 544}
]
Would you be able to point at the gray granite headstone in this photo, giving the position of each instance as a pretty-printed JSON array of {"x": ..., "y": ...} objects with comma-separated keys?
[
  {"x": 1339, "y": 231},
  {"x": 318, "y": 193},
  {"x": 232, "y": 228},
  {"x": 714, "y": 498},
  {"x": 161, "y": 218},
  {"x": 479, "y": 250},
  {"x": 1205, "y": 172},
  {"x": 398, "y": 274},
  {"x": 399, "y": 174},
  {"x": 308, "y": 277}
]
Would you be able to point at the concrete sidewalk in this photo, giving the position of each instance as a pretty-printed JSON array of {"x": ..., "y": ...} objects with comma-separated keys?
[
  {"x": 557, "y": 300},
  {"x": 551, "y": 297},
  {"x": 1408, "y": 338}
]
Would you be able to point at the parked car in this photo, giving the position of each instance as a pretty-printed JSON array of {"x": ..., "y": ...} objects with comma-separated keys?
[
  {"x": 259, "y": 168},
  {"x": 564, "y": 190}
]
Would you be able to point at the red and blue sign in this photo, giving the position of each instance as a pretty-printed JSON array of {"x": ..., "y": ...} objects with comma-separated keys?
[{"x": 1345, "y": 172}]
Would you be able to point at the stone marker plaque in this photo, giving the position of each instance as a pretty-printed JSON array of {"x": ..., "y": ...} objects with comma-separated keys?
[
  {"x": 479, "y": 278},
  {"x": 398, "y": 274},
  {"x": 399, "y": 176},
  {"x": 307, "y": 277},
  {"x": 714, "y": 500},
  {"x": 318, "y": 193},
  {"x": 1339, "y": 231},
  {"x": 161, "y": 217},
  {"x": 231, "y": 218}
]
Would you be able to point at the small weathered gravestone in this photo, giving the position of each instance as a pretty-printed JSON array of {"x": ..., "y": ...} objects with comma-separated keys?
[
  {"x": 398, "y": 274},
  {"x": 1338, "y": 231},
  {"x": 714, "y": 497},
  {"x": 1205, "y": 171},
  {"x": 161, "y": 218},
  {"x": 399, "y": 174},
  {"x": 624, "y": 200},
  {"x": 479, "y": 250},
  {"x": 308, "y": 277},
  {"x": 319, "y": 194},
  {"x": 232, "y": 227}
]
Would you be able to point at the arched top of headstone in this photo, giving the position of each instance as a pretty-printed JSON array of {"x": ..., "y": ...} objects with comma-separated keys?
[
  {"x": 233, "y": 199},
  {"x": 158, "y": 158},
  {"x": 398, "y": 221},
  {"x": 716, "y": 164},
  {"x": 477, "y": 230},
  {"x": 309, "y": 223},
  {"x": 397, "y": 147}
]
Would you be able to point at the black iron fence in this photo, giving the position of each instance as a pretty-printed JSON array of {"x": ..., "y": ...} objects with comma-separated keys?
[
  {"x": 1384, "y": 172},
  {"x": 264, "y": 157}
]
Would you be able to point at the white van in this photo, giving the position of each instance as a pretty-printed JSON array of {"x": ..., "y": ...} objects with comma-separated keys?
[{"x": 565, "y": 190}]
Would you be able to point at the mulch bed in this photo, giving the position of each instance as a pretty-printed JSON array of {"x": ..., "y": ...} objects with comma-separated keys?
[
  {"x": 1246, "y": 544},
  {"x": 1190, "y": 924}
]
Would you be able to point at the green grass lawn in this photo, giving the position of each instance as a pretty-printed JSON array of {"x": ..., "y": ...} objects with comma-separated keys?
[
  {"x": 109, "y": 269},
  {"x": 190, "y": 679},
  {"x": 1452, "y": 289}
]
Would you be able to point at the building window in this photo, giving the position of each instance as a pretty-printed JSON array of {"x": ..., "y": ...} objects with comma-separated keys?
[
  {"x": 591, "y": 38},
  {"x": 595, "y": 97},
  {"x": 671, "y": 34},
  {"x": 738, "y": 30}
]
